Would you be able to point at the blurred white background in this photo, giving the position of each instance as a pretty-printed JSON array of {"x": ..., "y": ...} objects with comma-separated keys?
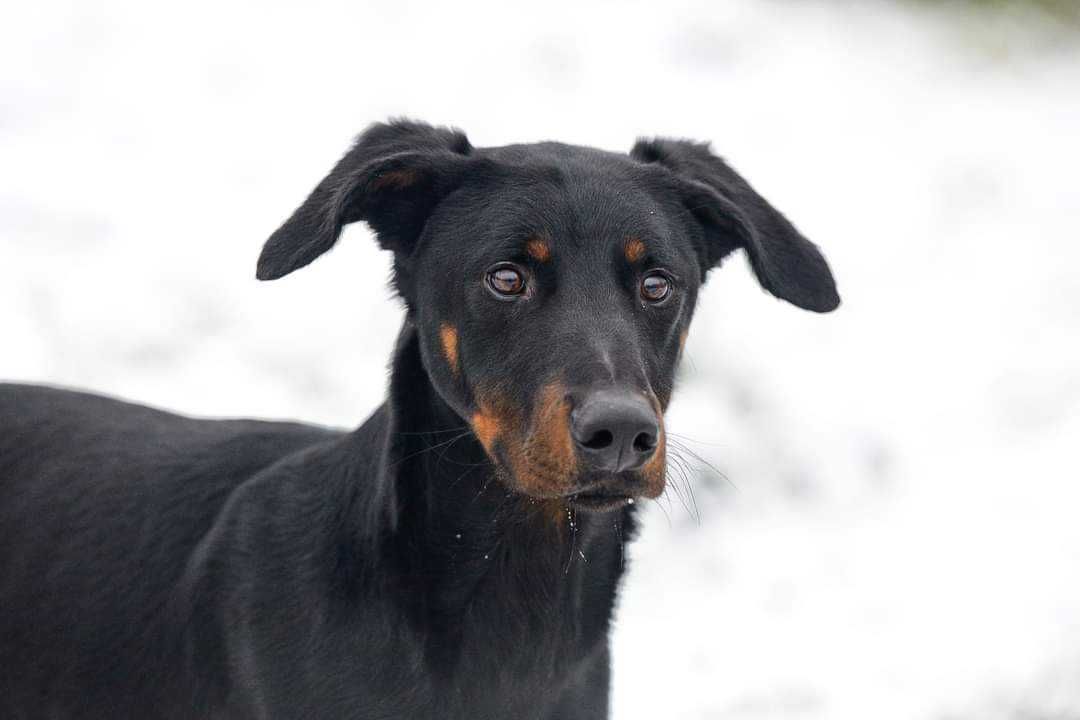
[{"x": 895, "y": 531}]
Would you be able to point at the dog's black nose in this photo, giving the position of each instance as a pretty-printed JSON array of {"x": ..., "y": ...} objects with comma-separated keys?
[{"x": 614, "y": 430}]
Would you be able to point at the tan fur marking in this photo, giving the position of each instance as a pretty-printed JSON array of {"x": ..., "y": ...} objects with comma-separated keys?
[
  {"x": 655, "y": 470},
  {"x": 540, "y": 453},
  {"x": 497, "y": 422},
  {"x": 634, "y": 250},
  {"x": 548, "y": 461},
  {"x": 538, "y": 248},
  {"x": 449, "y": 337},
  {"x": 487, "y": 429},
  {"x": 396, "y": 179}
]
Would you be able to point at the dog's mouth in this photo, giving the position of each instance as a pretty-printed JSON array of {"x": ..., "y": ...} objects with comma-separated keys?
[
  {"x": 599, "y": 500},
  {"x": 607, "y": 494}
]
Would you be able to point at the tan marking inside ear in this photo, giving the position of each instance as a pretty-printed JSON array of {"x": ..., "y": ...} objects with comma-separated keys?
[
  {"x": 396, "y": 179},
  {"x": 449, "y": 337},
  {"x": 538, "y": 248},
  {"x": 634, "y": 250}
]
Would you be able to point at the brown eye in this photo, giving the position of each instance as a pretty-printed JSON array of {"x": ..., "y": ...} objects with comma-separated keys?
[
  {"x": 655, "y": 287},
  {"x": 506, "y": 281}
]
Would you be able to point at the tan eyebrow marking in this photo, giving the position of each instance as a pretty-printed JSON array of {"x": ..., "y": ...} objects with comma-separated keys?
[
  {"x": 538, "y": 248},
  {"x": 449, "y": 337},
  {"x": 634, "y": 249}
]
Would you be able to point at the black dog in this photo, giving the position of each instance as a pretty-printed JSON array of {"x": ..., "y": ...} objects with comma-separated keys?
[{"x": 457, "y": 556}]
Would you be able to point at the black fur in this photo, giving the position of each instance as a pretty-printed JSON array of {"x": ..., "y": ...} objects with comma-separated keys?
[{"x": 156, "y": 566}]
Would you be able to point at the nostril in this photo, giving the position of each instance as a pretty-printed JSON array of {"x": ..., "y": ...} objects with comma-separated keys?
[
  {"x": 615, "y": 430},
  {"x": 644, "y": 442},
  {"x": 599, "y": 440}
]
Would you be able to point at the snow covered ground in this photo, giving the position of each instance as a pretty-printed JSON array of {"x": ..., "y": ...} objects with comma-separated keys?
[{"x": 893, "y": 528}]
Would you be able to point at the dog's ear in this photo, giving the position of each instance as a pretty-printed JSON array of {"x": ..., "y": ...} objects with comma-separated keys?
[
  {"x": 393, "y": 177},
  {"x": 733, "y": 215}
]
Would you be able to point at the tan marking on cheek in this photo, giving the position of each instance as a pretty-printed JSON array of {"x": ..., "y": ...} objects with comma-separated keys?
[
  {"x": 449, "y": 337},
  {"x": 634, "y": 250},
  {"x": 548, "y": 460},
  {"x": 664, "y": 397},
  {"x": 487, "y": 429},
  {"x": 494, "y": 422},
  {"x": 540, "y": 455},
  {"x": 655, "y": 470},
  {"x": 539, "y": 249},
  {"x": 396, "y": 179},
  {"x": 682, "y": 341}
]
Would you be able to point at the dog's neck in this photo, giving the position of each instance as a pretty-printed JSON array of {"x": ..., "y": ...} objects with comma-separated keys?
[{"x": 437, "y": 477}]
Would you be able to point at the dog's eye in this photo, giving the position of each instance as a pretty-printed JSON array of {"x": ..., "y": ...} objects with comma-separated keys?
[
  {"x": 505, "y": 280},
  {"x": 655, "y": 287}
]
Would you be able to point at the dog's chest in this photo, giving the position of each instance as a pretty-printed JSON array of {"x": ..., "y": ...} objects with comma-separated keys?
[
  {"x": 515, "y": 664},
  {"x": 511, "y": 642}
]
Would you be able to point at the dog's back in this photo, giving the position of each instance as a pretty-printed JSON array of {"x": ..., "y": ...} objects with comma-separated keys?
[{"x": 101, "y": 503}]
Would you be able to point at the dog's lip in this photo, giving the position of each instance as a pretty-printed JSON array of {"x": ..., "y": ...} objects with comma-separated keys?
[
  {"x": 599, "y": 502},
  {"x": 601, "y": 498}
]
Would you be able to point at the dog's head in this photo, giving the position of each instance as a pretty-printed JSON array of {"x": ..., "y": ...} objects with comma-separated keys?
[{"x": 552, "y": 286}]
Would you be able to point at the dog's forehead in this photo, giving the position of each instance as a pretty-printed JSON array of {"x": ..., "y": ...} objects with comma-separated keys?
[
  {"x": 570, "y": 196},
  {"x": 547, "y": 153}
]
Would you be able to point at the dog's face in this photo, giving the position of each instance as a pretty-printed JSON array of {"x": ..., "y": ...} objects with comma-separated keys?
[
  {"x": 552, "y": 286},
  {"x": 552, "y": 297}
]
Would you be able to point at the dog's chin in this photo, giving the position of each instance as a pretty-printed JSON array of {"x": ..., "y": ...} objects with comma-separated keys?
[
  {"x": 600, "y": 501},
  {"x": 606, "y": 492}
]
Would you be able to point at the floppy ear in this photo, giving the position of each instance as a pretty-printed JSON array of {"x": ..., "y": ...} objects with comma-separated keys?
[
  {"x": 734, "y": 215},
  {"x": 393, "y": 177}
]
